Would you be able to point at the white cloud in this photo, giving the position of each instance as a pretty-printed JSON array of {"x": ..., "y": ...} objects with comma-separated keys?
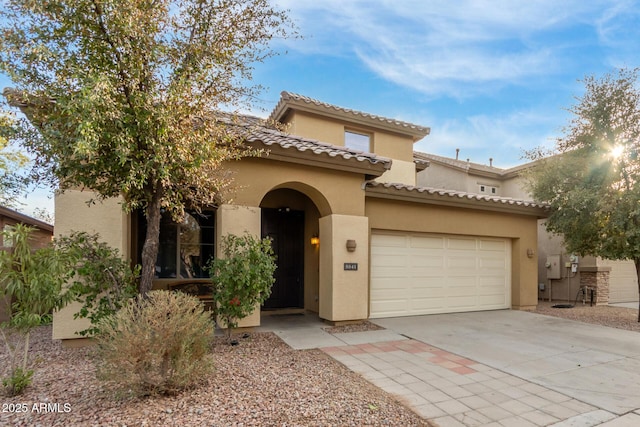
[
  {"x": 457, "y": 48},
  {"x": 501, "y": 137}
]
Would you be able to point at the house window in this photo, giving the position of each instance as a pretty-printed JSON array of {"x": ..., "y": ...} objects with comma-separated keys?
[
  {"x": 357, "y": 141},
  {"x": 185, "y": 248},
  {"x": 488, "y": 189}
]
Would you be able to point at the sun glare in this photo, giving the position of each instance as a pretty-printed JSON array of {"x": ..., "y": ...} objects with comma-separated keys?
[{"x": 616, "y": 151}]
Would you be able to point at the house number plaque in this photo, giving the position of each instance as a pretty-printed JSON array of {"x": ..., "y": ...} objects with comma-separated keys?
[{"x": 351, "y": 266}]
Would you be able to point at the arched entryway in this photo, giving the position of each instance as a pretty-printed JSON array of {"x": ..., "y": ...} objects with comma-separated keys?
[{"x": 290, "y": 219}]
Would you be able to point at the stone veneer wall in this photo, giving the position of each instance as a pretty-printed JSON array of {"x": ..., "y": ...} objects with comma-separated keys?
[{"x": 596, "y": 278}]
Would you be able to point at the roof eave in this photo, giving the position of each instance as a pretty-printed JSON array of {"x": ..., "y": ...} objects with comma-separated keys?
[
  {"x": 25, "y": 219},
  {"x": 323, "y": 160},
  {"x": 458, "y": 201}
]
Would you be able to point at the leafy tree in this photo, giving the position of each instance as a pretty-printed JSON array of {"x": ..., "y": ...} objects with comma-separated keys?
[
  {"x": 12, "y": 183},
  {"x": 34, "y": 281},
  {"x": 123, "y": 95},
  {"x": 242, "y": 278},
  {"x": 593, "y": 183}
]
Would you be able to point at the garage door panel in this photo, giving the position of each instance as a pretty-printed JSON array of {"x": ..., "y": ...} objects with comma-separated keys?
[
  {"x": 429, "y": 292},
  {"x": 384, "y": 272},
  {"x": 421, "y": 305},
  {"x": 390, "y": 240},
  {"x": 461, "y": 243},
  {"x": 425, "y": 273},
  {"x": 462, "y": 301},
  {"x": 414, "y": 273},
  {"x": 426, "y": 242},
  {"x": 457, "y": 282},
  {"x": 461, "y": 262},
  {"x": 491, "y": 263},
  {"x": 426, "y": 261},
  {"x": 491, "y": 290},
  {"x": 492, "y": 245},
  {"x": 431, "y": 284}
]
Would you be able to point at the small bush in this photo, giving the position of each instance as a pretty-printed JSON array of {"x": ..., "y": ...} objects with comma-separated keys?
[
  {"x": 18, "y": 381},
  {"x": 242, "y": 278},
  {"x": 103, "y": 281},
  {"x": 160, "y": 344}
]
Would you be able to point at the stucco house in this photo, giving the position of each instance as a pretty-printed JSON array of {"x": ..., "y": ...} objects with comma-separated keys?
[
  {"x": 356, "y": 234},
  {"x": 462, "y": 175},
  {"x": 41, "y": 237}
]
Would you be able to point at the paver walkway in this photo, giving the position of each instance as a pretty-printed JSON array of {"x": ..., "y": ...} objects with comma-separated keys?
[
  {"x": 455, "y": 391},
  {"x": 503, "y": 368}
]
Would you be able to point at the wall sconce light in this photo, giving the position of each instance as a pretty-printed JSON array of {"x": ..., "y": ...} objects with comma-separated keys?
[
  {"x": 351, "y": 245},
  {"x": 530, "y": 252},
  {"x": 315, "y": 240}
]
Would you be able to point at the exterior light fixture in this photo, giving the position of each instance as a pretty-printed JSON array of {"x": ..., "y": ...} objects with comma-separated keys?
[
  {"x": 351, "y": 245},
  {"x": 530, "y": 253},
  {"x": 315, "y": 240}
]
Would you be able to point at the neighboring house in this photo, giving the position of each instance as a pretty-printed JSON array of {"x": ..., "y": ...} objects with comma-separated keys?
[
  {"x": 40, "y": 237},
  {"x": 355, "y": 235},
  {"x": 460, "y": 175}
]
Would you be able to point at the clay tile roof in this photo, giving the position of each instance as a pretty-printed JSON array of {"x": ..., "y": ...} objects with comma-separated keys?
[
  {"x": 462, "y": 164},
  {"x": 507, "y": 201},
  {"x": 288, "y": 99},
  {"x": 258, "y": 131},
  {"x": 471, "y": 166}
]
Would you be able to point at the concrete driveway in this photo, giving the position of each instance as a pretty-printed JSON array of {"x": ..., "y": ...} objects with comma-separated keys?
[{"x": 592, "y": 364}]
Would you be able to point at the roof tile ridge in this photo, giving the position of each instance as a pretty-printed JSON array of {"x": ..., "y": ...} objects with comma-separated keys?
[{"x": 285, "y": 95}]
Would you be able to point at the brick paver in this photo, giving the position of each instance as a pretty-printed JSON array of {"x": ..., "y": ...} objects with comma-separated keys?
[{"x": 455, "y": 391}]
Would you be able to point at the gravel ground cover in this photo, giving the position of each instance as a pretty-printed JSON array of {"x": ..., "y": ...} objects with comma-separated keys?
[
  {"x": 614, "y": 317},
  {"x": 354, "y": 327},
  {"x": 261, "y": 382}
]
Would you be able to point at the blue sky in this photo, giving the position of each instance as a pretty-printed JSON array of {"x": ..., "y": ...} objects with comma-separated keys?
[{"x": 491, "y": 77}]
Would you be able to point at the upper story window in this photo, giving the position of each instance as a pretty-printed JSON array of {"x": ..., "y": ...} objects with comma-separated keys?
[
  {"x": 488, "y": 189},
  {"x": 185, "y": 248},
  {"x": 357, "y": 141}
]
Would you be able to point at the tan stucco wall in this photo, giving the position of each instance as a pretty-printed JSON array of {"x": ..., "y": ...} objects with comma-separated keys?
[
  {"x": 330, "y": 130},
  {"x": 331, "y": 191},
  {"x": 315, "y": 127},
  {"x": 522, "y": 230},
  {"x": 439, "y": 176},
  {"x": 515, "y": 187},
  {"x": 344, "y": 295},
  {"x": 623, "y": 280},
  {"x": 401, "y": 172},
  {"x": 105, "y": 218},
  {"x": 394, "y": 146}
]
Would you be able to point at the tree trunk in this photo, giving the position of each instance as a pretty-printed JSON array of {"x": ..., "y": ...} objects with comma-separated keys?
[
  {"x": 636, "y": 261},
  {"x": 151, "y": 242}
]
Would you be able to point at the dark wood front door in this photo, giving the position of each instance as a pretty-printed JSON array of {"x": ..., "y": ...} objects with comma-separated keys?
[{"x": 286, "y": 228}]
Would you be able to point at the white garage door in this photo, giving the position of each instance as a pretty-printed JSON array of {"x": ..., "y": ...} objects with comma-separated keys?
[{"x": 414, "y": 274}]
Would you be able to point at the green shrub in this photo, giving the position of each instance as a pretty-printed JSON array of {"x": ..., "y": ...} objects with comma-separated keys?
[
  {"x": 243, "y": 278},
  {"x": 103, "y": 280},
  {"x": 34, "y": 280},
  {"x": 160, "y": 344},
  {"x": 18, "y": 381}
]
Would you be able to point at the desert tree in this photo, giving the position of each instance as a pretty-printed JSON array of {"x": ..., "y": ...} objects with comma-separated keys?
[
  {"x": 592, "y": 180},
  {"x": 121, "y": 96}
]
